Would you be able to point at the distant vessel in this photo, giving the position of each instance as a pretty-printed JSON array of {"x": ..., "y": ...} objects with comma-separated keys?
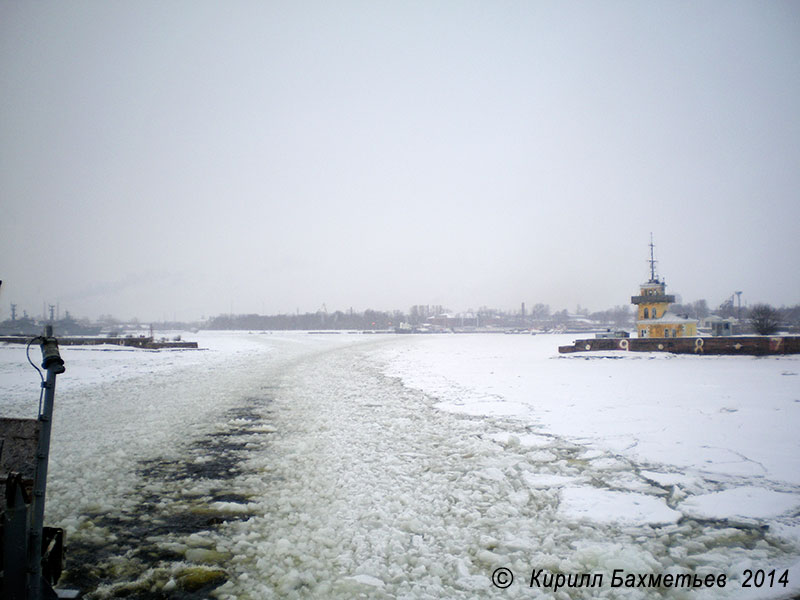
[
  {"x": 25, "y": 326},
  {"x": 28, "y": 327},
  {"x": 69, "y": 326}
]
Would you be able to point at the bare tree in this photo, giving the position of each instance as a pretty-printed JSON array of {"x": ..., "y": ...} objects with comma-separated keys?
[
  {"x": 540, "y": 312},
  {"x": 726, "y": 309},
  {"x": 700, "y": 308},
  {"x": 764, "y": 319}
]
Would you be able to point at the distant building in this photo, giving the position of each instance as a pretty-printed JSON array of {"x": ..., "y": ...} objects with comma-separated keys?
[
  {"x": 451, "y": 321},
  {"x": 719, "y": 326},
  {"x": 653, "y": 318}
]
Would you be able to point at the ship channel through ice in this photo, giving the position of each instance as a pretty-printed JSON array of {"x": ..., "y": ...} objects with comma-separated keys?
[{"x": 340, "y": 466}]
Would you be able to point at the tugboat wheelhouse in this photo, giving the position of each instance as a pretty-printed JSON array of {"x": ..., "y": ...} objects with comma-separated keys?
[{"x": 653, "y": 318}]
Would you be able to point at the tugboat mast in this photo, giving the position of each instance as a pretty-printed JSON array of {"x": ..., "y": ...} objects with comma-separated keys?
[{"x": 652, "y": 261}]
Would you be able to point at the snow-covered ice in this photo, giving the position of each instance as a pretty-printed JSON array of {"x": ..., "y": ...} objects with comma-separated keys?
[
  {"x": 731, "y": 416},
  {"x": 741, "y": 502},
  {"x": 607, "y": 506},
  {"x": 289, "y": 465}
]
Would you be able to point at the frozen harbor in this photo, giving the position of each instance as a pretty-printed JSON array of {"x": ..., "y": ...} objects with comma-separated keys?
[{"x": 342, "y": 466}]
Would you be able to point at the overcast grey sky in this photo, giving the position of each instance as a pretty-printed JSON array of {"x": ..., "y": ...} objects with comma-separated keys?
[{"x": 185, "y": 159}]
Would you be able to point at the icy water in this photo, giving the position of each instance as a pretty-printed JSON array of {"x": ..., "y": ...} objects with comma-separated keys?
[{"x": 297, "y": 468}]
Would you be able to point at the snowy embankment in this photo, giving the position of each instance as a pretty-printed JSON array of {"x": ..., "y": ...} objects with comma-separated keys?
[{"x": 336, "y": 466}]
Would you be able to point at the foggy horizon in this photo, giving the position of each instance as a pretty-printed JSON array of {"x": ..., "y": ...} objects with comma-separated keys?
[
  {"x": 60, "y": 311},
  {"x": 196, "y": 159}
]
